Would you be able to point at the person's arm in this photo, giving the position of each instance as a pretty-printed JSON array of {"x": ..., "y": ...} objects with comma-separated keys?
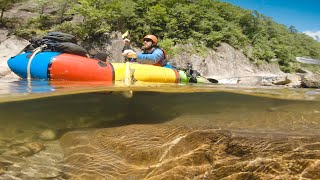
[{"x": 153, "y": 58}]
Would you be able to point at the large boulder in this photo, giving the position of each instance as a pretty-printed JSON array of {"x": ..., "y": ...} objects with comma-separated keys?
[
  {"x": 9, "y": 48},
  {"x": 311, "y": 81}
]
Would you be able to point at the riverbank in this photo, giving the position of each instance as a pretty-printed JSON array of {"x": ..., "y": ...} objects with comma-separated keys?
[{"x": 225, "y": 64}]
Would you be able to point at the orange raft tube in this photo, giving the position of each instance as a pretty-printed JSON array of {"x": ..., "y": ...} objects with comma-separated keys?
[{"x": 78, "y": 68}]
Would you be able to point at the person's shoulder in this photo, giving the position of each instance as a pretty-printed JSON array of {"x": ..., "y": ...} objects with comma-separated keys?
[{"x": 158, "y": 49}]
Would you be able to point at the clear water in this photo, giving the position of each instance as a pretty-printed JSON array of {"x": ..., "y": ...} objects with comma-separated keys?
[{"x": 27, "y": 109}]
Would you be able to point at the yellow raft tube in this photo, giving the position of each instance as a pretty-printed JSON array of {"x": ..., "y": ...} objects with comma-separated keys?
[{"x": 145, "y": 73}]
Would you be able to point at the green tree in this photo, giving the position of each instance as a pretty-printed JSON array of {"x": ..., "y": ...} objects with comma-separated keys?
[{"x": 292, "y": 29}]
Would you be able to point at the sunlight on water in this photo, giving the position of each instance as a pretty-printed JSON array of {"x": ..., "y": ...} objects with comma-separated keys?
[{"x": 92, "y": 130}]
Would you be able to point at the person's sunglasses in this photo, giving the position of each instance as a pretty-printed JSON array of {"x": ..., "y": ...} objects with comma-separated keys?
[{"x": 147, "y": 40}]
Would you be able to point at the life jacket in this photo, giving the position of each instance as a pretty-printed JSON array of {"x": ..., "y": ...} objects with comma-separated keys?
[{"x": 165, "y": 59}]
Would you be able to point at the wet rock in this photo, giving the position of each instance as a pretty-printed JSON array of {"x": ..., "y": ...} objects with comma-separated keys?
[
  {"x": 16, "y": 142},
  {"x": 315, "y": 146},
  {"x": 267, "y": 166},
  {"x": 266, "y": 83},
  {"x": 48, "y": 135},
  {"x": 34, "y": 147},
  {"x": 295, "y": 80},
  {"x": 252, "y": 81},
  {"x": 311, "y": 81},
  {"x": 237, "y": 150},
  {"x": 313, "y": 172},
  {"x": 2, "y": 150},
  {"x": 24, "y": 150},
  {"x": 303, "y": 155},
  {"x": 46, "y": 164},
  {"x": 4, "y": 166},
  {"x": 10, "y": 159},
  {"x": 41, "y": 172},
  {"x": 281, "y": 81},
  {"x": 5, "y": 163},
  {"x": 18, "y": 151},
  {"x": 298, "y": 166},
  {"x": 2, "y": 171}
]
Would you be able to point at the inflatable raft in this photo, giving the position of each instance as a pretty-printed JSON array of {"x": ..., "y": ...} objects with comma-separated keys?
[{"x": 62, "y": 66}]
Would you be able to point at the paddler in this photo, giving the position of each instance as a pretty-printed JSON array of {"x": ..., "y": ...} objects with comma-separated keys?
[{"x": 152, "y": 53}]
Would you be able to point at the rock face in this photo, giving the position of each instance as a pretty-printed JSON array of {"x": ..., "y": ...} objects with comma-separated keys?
[
  {"x": 231, "y": 66},
  {"x": 9, "y": 46},
  {"x": 226, "y": 62}
]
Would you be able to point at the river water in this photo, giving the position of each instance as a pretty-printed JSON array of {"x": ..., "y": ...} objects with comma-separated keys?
[{"x": 86, "y": 130}]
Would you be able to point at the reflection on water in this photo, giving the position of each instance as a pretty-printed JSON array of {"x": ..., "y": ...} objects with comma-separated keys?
[
  {"x": 90, "y": 130},
  {"x": 24, "y": 86}
]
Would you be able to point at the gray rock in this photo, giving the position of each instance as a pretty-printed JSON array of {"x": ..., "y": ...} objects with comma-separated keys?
[
  {"x": 48, "y": 135},
  {"x": 281, "y": 81},
  {"x": 311, "y": 81},
  {"x": 8, "y": 48},
  {"x": 295, "y": 80},
  {"x": 3, "y": 35},
  {"x": 225, "y": 63},
  {"x": 18, "y": 151},
  {"x": 25, "y": 150}
]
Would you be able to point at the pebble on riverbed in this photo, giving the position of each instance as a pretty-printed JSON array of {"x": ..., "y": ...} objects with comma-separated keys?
[{"x": 48, "y": 135}]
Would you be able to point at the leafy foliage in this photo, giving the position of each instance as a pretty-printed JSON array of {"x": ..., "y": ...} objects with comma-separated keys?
[{"x": 203, "y": 23}]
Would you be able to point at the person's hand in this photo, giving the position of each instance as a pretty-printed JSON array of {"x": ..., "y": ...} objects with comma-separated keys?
[
  {"x": 132, "y": 57},
  {"x": 127, "y": 52}
]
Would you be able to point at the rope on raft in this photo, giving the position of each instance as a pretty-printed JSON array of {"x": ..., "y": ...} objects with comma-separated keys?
[{"x": 36, "y": 51}]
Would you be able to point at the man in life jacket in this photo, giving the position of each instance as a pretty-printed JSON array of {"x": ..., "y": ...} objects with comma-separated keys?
[{"x": 152, "y": 53}]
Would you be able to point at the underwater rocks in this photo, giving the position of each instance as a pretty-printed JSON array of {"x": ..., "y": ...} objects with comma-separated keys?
[
  {"x": 33, "y": 160},
  {"x": 164, "y": 151},
  {"x": 25, "y": 150},
  {"x": 48, "y": 135}
]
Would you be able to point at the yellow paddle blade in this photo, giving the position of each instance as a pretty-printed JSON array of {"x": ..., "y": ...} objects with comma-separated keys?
[{"x": 125, "y": 34}]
